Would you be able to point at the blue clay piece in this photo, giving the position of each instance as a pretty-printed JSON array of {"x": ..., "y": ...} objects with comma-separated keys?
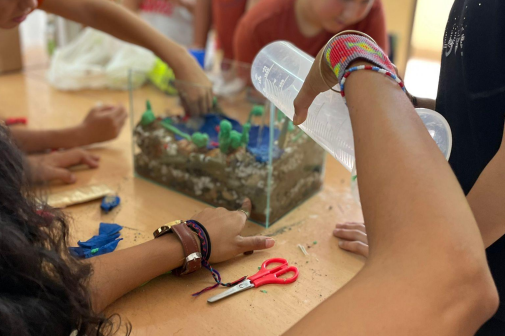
[
  {"x": 110, "y": 202},
  {"x": 106, "y": 241},
  {"x": 108, "y": 229}
]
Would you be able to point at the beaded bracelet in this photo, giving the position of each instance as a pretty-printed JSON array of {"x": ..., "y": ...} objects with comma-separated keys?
[
  {"x": 203, "y": 235},
  {"x": 371, "y": 68}
]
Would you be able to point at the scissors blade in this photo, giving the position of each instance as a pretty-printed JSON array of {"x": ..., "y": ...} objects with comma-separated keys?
[{"x": 246, "y": 284}]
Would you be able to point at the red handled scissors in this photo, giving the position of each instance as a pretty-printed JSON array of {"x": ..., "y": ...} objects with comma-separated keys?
[{"x": 265, "y": 276}]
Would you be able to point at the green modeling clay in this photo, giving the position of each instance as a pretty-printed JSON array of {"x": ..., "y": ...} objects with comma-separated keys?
[
  {"x": 256, "y": 111},
  {"x": 224, "y": 136},
  {"x": 148, "y": 117},
  {"x": 235, "y": 139},
  {"x": 174, "y": 130},
  {"x": 200, "y": 140},
  {"x": 245, "y": 134}
]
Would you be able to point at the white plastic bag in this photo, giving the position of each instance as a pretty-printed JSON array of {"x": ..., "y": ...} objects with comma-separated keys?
[{"x": 96, "y": 60}]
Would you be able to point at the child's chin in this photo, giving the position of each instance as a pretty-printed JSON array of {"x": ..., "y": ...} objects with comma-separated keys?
[{"x": 333, "y": 28}]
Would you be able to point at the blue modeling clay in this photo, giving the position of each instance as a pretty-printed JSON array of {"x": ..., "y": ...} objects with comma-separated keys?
[
  {"x": 110, "y": 202},
  {"x": 106, "y": 228},
  {"x": 105, "y": 242}
]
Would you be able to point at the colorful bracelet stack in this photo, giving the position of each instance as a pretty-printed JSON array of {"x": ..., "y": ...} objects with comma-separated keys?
[
  {"x": 205, "y": 245},
  {"x": 345, "y": 48}
]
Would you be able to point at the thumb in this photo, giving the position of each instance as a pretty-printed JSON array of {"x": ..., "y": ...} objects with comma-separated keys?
[
  {"x": 256, "y": 243},
  {"x": 59, "y": 174}
]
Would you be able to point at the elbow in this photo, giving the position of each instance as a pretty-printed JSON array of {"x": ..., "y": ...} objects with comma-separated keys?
[{"x": 474, "y": 297}]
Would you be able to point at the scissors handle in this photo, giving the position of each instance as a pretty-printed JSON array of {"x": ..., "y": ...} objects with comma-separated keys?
[
  {"x": 264, "y": 270},
  {"x": 271, "y": 276}
]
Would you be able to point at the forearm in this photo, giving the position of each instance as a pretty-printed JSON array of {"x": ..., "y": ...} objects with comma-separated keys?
[
  {"x": 203, "y": 22},
  {"x": 121, "y": 23},
  {"x": 116, "y": 274},
  {"x": 486, "y": 200},
  {"x": 31, "y": 141},
  {"x": 411, "y": 203}
]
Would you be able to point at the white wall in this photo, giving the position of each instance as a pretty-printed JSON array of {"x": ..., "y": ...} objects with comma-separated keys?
[
  {"x": 429, "y": 24},
  {"x": 33, "y": 30}
]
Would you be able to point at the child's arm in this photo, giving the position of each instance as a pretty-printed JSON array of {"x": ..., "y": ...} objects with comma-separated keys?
[
  {"x": 115, "y": 274},
  {"x": 102, "y": 123},
  {"x": 488, "y": 196},
  {"x": 202, "y": 23},
  {"x": 132, "y": 5},
  {"x": 123, "y": 24},
  {"x": 427, "y": 260}
]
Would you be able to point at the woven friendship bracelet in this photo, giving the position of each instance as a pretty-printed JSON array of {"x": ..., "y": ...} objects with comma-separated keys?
[{"x": 203, "y": 235}]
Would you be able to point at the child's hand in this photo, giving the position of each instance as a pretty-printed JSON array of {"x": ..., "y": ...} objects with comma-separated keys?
[
  {"x": 194, "y": 87},
  {"x": 353, "y": 237},
  {"x": 224, "y": 229},
  {"x": 102, "y": 123},
  {"x": 54, "y": 166}
]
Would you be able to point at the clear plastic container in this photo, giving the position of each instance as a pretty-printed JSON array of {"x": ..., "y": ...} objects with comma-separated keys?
[{"x": 279, "y": 71}]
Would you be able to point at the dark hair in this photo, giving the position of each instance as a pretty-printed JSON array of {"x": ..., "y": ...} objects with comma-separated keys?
[{"x": 42, "y": 287}]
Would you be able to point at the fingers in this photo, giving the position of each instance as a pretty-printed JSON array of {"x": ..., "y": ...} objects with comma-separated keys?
[
  {"x": 53, "y": 173},
  {"x": 356, "y": 247},
  {"x": 246, "y": 206},
  {"x": 74, "y": 157},
  {"x": 302, "y": 103},
  {"x": 352, "y": 226},
  {"x": 353, "y": 235},
  {"x": 255, "y": 243}
]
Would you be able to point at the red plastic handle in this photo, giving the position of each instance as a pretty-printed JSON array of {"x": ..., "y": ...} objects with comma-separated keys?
[
  {"x": 271, "y": 276},
  {"x": 265, "y": 271}
]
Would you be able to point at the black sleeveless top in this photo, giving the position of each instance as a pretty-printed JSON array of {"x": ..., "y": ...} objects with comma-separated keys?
[{"x": 471, "y": 96}]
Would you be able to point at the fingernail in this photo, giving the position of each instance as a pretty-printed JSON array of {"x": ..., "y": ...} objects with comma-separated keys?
[
  {"x": 341, "y": 243},
  {"x": 269, "y": 242},
  {"x": 72, "y": 178},
  {"x": 295, "y": 119}
]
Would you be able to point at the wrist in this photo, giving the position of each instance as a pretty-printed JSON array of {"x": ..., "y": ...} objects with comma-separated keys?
[
  {"x": 177, "y": 57},
  {"x": 77, "y": 136}
]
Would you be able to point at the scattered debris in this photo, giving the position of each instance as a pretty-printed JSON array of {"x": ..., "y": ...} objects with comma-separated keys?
[
  {"x": 284, "y": 229},
  {"x": 315, "y": 242},
  {"x": 264, "y": 291},
  {"x": 303, "y": 249}
]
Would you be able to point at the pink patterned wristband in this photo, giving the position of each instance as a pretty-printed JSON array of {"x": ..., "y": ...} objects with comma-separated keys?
[{"x": 344, "y": 49}]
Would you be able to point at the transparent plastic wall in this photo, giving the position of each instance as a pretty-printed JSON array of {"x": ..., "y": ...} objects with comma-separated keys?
[{"x": 243, "y": 148}]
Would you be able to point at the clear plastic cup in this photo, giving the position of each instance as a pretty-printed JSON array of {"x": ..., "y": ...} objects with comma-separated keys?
[{"x": 278, "y": 72}]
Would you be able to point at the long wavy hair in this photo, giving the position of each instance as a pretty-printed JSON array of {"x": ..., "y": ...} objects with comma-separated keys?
[{"x": 43, "y": 289}]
